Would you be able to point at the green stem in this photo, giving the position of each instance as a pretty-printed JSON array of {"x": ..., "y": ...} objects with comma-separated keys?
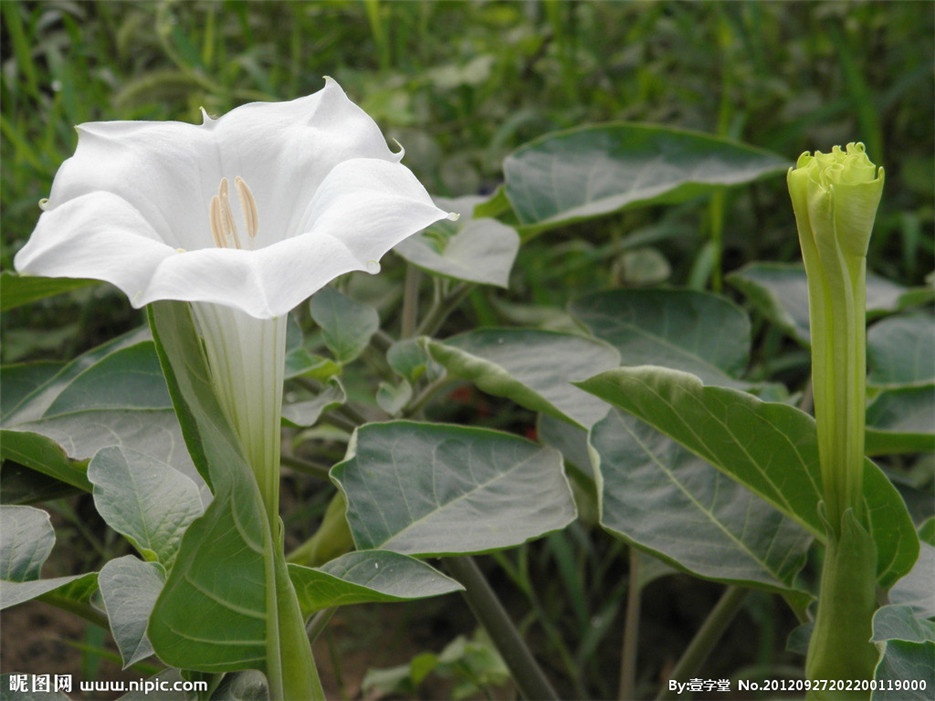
[
  {"x": 79, "y": 608},
  {"x": 630, "y": 631},
  {"x": 290, "y": 666},
  {"x": 410, "y": 312},
  {"x": 840, "y": 646},
  {"x": 442, "y": 308},
  {"x": 724, "y": 611},
  {"x": 527, "y": 674},
  {"x": 306, "y": 467}
]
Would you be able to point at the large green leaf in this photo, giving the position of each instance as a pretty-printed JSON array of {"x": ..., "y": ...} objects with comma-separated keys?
[
  {"x": 533, "y": 368},
  {"x": 146, "y": 500},
  {"x": 900, "y": 351},
  {"x": 672, "y": 328},
  {"x": 780, "y": 292},
  {"x": 432, "y": 489},
  {"x": 900, "y": 421},
  {"x": 56, "y": 418},
  {"x": 592, "y": 171},
  {"x": 915, "y": 590},
  {"x": 15, "y": 291},
  {"x": 26, "y": 540},
  {"x": 659, "y": 496},
  {"x": 770, "y": 448},
  {"x": 129, "y": 588},
  {"x": 228, "y": 603},
  {"x": 366, "y": 576},
  {"x": 906, "y": 671},
  {"x": 477, "y": 250}
]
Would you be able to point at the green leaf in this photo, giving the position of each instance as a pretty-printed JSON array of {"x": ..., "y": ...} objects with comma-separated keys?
[
  {"x": 306, "y": 412},
  {"x": 895, "y": 622},
  {"x": 367, "y": 576},
  {"x": 770, "y": 448},
  {"x": 592, "y": 171},
  {"x": 23, "y": 379},
  {"x": 659, "y": 496},
  {"x": 228, "y": 603},
  {"x": 476, "y": 250},
  {"x": 899, "y": 421},
  {"x": 780, "y": 292},
  {"x": 16, "y": 291},
  {"x": 431, "y": 489},
  {"x": 915, "y": 589},
  {"x": 906, "y": 672},
  {"x": 411, "y": 361},
  {"x": 130, "y": 588},
  {"x": 672, "y": 328},
  {"x": 212, "y": 613},
  {"x": 113, "y": 395},
  {"x": 346, "y": 325},
  {"x": 26, "y": 539},
  {"x": 145, "y": 500},
  {"x": 393, "y": 398},
  {"x": 533, "y": 368},
  {"x": 899, "y": 352}
]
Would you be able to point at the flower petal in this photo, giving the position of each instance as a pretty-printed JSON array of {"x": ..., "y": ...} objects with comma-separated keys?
[
  {"x": 169, "y": 171},
  {"x": 363, "y": 209},
  {"x": 76, "y": 240},
  {"x": 325, "y": 196}
]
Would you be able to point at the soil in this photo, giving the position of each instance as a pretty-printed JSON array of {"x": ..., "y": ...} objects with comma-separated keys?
[{"x": 37, "y": 638}]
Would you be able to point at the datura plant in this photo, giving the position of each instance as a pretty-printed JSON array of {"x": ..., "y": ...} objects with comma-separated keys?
[
  {"x": 835, "y": 197},
  {"x": 244, "y": 217}
]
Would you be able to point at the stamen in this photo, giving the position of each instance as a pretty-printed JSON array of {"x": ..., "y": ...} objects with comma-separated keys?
[
  {"x": 221, "y": 217},
  {"x": 228, "y": 226},
  {"x": 247, "y": 206},
  {"x": 214, "y": 217}
]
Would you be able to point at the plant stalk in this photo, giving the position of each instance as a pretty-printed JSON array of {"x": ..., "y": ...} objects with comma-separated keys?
[
  {"x": 724, "y": 611},
  {"x": 631, "y": 631},
  {"x": 528, "y": 676}
]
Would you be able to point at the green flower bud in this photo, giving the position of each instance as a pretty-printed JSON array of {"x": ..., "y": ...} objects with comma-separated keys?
[{"x": 835, "y": 197}]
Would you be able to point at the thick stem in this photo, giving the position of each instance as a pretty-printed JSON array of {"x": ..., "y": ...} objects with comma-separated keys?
[
  {"x": 840, "y": 646},
  {"x": 291, "y": 668},
  {"x": 485, "y": 605}
]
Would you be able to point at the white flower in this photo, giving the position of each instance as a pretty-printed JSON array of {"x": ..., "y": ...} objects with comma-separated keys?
[
  {"x": 256, "y": 210},
  {"x": 244, "y": 216}
]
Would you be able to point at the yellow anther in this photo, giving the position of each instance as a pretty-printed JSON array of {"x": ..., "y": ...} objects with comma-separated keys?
[
  {"x": 248, "y": 206},
  {"x": 221, "y": 217},
  {"x": 228, "y": 226},
  {"x": 214, "y": 217}
]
